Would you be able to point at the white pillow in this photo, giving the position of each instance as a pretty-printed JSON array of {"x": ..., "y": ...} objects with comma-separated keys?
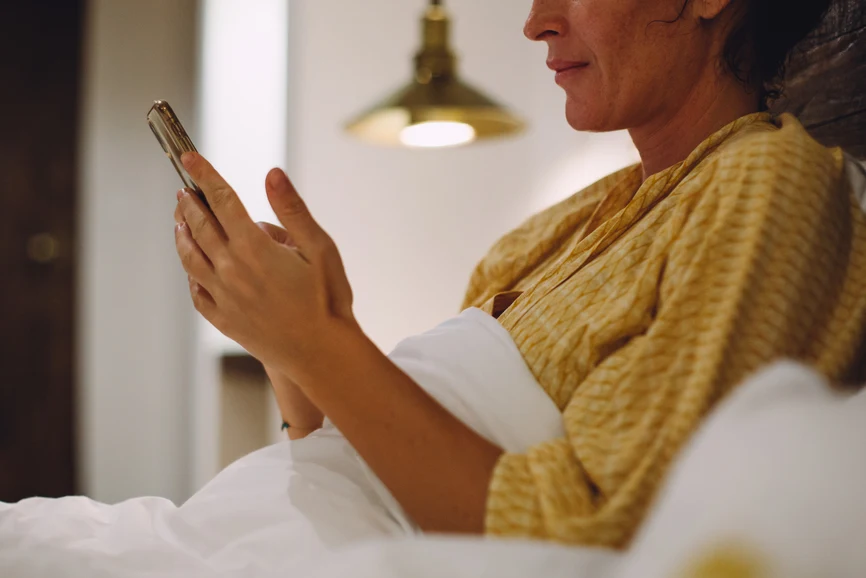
[{"x": 775, "y": 479}]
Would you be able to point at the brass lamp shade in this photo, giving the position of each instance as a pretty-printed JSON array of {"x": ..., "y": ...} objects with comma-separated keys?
[{"x": 436, "y": 109}]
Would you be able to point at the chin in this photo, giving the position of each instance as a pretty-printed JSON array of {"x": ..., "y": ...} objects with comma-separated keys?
[{"x": 584, "y": 116}]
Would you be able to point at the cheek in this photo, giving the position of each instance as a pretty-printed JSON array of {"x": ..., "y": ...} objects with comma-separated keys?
[
  {"x": 598, "y": 100},
  {"x": 633, "y": 65},
  {"x": 615, "y": 40}
]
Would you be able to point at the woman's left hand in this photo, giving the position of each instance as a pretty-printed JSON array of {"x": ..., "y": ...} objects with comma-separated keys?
[{"x": 277, "y": 300}]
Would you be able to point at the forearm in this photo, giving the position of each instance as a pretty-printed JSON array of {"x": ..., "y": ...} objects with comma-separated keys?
[
  {"x": 296, "y": 409},
  {"x": 436, "y": 467}
]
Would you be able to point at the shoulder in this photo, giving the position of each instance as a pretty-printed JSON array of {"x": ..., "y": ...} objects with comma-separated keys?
[
  {"x": 772, "y": 169},
  {"x": 780, "y": 153},
  {"x": 770, "y": 212},
  {"x": 768, "y": 196}
]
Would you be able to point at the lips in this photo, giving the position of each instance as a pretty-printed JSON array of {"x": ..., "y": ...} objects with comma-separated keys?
[
  {"x": 566, "y": 69},
  {"x": 558, "y": 65}
]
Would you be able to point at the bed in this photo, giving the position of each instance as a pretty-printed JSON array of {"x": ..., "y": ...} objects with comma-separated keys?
[{"x": 782, "y": 460}]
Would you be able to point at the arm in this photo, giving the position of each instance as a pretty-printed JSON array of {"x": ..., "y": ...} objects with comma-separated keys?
[
  {"x": 435, "y": 466},
  {"x": 296, "y": 408}
]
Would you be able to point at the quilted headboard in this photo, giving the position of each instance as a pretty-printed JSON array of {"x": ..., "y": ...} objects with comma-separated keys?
[{"x": 826, "y": 79}]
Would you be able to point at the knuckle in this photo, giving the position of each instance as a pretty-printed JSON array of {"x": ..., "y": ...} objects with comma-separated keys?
[
  {"x": 295, "y": 206},
  {"x": 246, "y": 245},
  {"x": 222, "y": 195},
  {"x": 198, "y": 228},
  {"x": 228, "y": 268},
  {"x": 247, "y": 293}
]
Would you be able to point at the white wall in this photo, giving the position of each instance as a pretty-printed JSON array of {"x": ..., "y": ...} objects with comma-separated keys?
[
  {"x": 242, "y": 97},
  {"x": 134, "y": 316},
  {"x": 411, "y": 225}
]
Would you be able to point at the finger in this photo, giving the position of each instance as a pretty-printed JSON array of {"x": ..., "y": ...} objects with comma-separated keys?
[
  {"x": 178, "y": 213},
  {"x": 224, "y": 202},
  {"x": 276, "y": 233},
  {"x": 193, "y": 259},
  {"x": 201, "y": 298},
  {"x": 203, "y": 226},
  {"x": 292, "y": 212}
]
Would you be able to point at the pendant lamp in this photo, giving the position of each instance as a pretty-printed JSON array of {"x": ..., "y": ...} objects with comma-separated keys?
[{"x": 436, "y": 109}]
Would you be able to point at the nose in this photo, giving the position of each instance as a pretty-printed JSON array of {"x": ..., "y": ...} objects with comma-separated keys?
[{"x": 547, "y": 18}]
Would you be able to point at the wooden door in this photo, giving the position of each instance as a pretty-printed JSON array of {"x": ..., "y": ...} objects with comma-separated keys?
[{"x": 40, "y": 55}]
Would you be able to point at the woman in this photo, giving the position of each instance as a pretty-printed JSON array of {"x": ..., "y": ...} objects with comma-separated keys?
[{"x": 637, "y": 303}]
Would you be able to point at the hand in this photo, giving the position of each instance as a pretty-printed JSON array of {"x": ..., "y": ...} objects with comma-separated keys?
[
  {"x": 291, "y": 307},
  {"x": 276, "y": 294},
  {"x": 296, "y": 409}
]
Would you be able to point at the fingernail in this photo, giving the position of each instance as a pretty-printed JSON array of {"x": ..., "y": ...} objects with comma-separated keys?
[
  {"x": 180, "y": 194},
  {"x": 187, "y": 159},
  {"x": 179, "y": 227},
  {"x": 277, "y": 177}
]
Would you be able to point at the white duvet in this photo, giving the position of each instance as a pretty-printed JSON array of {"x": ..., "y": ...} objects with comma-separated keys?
[{"x": 778, "y": 474}]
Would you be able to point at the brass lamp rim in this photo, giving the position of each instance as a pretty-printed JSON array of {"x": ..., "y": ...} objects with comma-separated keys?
[{"x": 447, "y": 100}]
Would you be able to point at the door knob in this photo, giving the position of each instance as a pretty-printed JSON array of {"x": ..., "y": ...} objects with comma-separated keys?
[{"x": 43, "y": 248}]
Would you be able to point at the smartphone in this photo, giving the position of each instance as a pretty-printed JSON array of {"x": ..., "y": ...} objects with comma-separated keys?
[{"x": 174, "y": 141}]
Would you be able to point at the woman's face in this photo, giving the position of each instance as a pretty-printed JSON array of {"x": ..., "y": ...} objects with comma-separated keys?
[{"x": 619, "y": 65}]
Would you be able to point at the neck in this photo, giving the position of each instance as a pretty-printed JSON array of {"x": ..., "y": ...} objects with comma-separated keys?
[{"x": 669, "y": 138}]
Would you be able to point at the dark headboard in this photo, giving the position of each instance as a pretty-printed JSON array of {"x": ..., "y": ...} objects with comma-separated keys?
[{"x": 826, "y": 79}]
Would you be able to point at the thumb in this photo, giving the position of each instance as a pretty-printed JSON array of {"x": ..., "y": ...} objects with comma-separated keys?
[{"x": 291, "y": 209}]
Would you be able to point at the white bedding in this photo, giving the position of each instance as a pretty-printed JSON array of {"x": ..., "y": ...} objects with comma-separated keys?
[
  {"x": 778, "y": 473},
  {"x": 773, "y": 486},
  {"x": 291, "y": 502}
]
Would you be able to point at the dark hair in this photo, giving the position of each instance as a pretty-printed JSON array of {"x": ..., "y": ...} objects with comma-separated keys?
[{"x": 763, "y": 35}]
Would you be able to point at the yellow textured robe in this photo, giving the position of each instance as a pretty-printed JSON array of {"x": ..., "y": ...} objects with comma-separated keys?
[{"x": 639, "y": 305}]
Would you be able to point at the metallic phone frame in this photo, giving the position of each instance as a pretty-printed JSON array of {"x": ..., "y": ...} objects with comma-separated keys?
[{"x": 173, "y": 139}]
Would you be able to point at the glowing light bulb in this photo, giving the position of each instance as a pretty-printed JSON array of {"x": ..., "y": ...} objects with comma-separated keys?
[{"x": 437, "y": 134}]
